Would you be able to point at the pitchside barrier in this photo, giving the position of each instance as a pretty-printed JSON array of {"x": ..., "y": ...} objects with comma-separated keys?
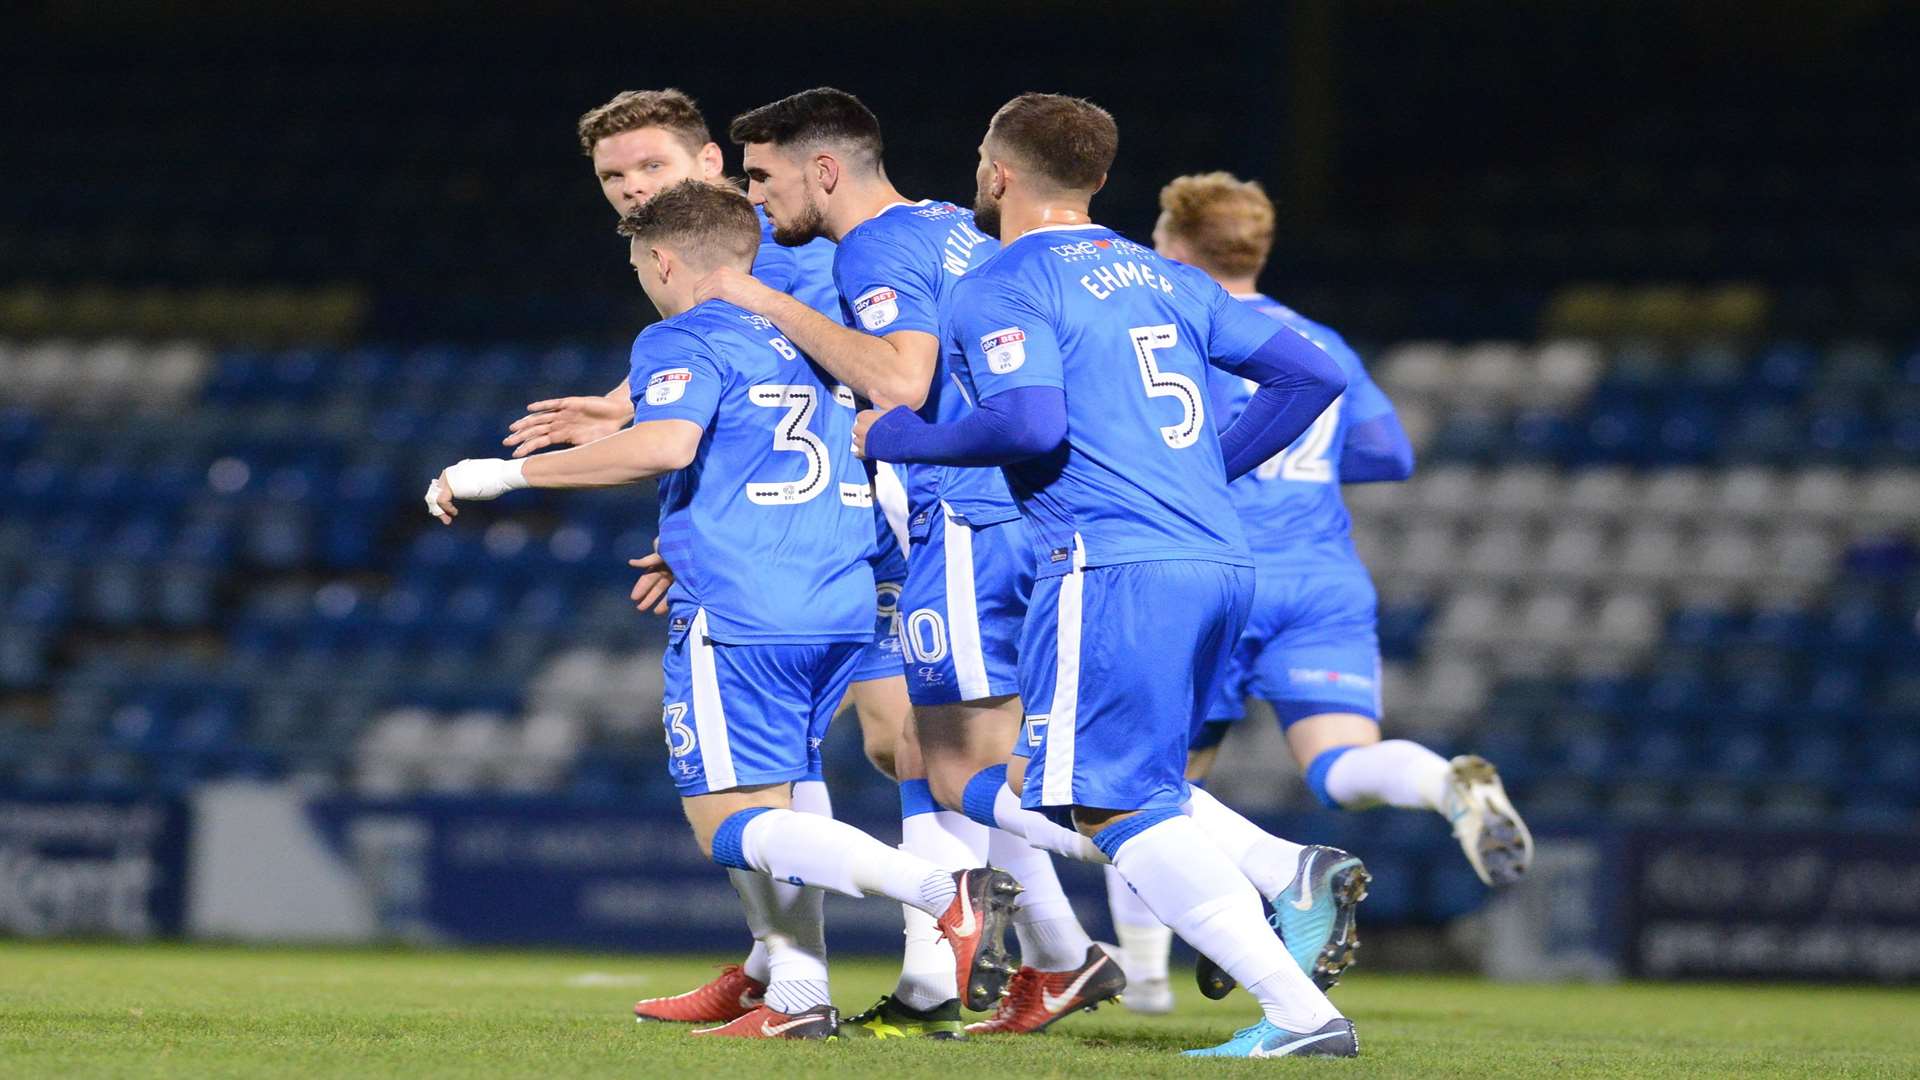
[{"x": 244, "y": 861}]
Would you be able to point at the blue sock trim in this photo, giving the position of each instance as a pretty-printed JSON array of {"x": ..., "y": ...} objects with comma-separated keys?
[
  {"x": 916, "y": 798},
  {"x": 726, "y": 839},
  {"x": 1317, "y": 775},
  {"x": 981, "y": 792},
  {"x": 1109, "y": 839}
]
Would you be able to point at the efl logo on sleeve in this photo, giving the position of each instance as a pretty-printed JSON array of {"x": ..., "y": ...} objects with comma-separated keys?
[
  {"x": 1006, "y": 350},
  {"x": 665, "y": 387},
  {"x": 877, "y": 308}
]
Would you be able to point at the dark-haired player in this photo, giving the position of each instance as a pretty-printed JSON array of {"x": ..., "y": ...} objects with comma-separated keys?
[
  {"x": 1087, "y": 355},
  {"x": 814, "y": 160}
]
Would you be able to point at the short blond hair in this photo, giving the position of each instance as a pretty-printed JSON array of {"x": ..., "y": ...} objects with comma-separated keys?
[{"x": 1227, "y": 222}]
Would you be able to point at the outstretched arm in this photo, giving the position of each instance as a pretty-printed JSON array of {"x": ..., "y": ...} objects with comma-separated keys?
[
  {"x": 896, "y": 369},
  {"x": 1010, "y": 426},
  {"x": 570, "y": 421},
  {"x": 626, "y": 457}
]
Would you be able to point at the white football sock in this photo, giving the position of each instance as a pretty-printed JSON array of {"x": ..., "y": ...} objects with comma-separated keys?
[
  {"x": 926, "y": 967},
  {"x": 943, "y": 838},
  {"x": 796, "y": 950},
  {"x": 1267, "y": 861},
  {"x": 757, "y": 896},
  {"x": 1144, "y": 940},
  {"x": 833, "y": 855},
  {"x": 1398, "y": 772},
  {"x": 1051, "y": 937},
  {"x": 1041, "y": 831},
  {"x": 1191, "y": 885},
  {"x": 809, "y": 797}
]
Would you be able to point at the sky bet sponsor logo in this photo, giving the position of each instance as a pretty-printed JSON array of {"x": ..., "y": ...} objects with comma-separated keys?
[
  {"x": 877, "y": 308},
  {"x": 1324, "y": 677},
  {"x": 667, "y": 387},
  {"x": 1006, "y": 349}
]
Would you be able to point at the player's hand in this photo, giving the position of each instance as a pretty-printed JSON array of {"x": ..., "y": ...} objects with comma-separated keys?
[
  {"x": 440, "y": 499},
  {"x": 567, "y": 421},
  {"x": 861, "y": 425},
  {"x": 735, "y": 286},
  {"x": 656, "y": 577},
  {"x": 472, "y": 478}
]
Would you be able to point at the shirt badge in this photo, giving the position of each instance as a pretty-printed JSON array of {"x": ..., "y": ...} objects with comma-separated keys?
[
  {"x": 877, "y": 308},
  {"x": 666, "y": 387},
  {"x": 1006, "y": 349}
]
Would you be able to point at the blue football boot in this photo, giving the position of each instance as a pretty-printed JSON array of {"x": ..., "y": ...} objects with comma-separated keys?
[
  {"x": 1263, "y": 1040},
  {"x": 1314, "y": 917}
]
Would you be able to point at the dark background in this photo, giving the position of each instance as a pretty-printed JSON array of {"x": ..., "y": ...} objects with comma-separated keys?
[{"x": 1440, "y": 167}]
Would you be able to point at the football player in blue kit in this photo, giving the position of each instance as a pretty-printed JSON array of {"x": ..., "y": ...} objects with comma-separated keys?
[
  {"x": 814, "y": 160},
  {"x": 1310, "y": 648},
  {"x": 642, "y": 142},
  {"x": 1086, "y": 355},
  {"x": 767, "y": 521}
]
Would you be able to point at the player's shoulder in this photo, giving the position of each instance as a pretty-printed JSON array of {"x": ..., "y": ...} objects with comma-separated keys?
[
  {"x": 872, "y": 248},
  {"x": 714, "y": 329},
  {"x": 999, "y": 272},
  {"x": 1313, "y": 330}
]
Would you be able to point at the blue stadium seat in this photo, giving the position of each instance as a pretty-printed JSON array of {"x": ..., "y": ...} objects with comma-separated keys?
[
  {"x": 1618, "y": 434},
  {"x": 1762, "y": 434},
  {"x": 1783, "y": 370}
]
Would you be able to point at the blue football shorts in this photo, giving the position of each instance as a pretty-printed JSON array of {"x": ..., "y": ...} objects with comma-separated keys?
[
  {"x": 1117, "y": 665},
  {"x": 743, "y": 715}
]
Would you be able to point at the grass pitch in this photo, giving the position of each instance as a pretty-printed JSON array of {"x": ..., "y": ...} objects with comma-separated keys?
[{"x": 194, "y": 1011}]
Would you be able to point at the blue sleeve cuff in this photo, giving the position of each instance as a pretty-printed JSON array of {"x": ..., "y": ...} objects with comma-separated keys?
[
  {"x": 1010, "y": 426},
  {"x": 1376, "y": 450}
]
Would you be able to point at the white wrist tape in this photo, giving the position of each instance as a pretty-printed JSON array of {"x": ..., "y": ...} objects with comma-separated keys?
[{"x": 486, "y": 478}]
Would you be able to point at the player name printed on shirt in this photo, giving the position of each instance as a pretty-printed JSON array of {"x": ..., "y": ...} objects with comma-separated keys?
[
  {"x": 1005, "y": 349},
  {"x": 877, "y": 308},
  {"x": 666, "y": 387}
]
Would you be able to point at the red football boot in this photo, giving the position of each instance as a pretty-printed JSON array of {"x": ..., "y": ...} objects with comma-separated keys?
[
  {"x": 819, "y": 1022},
  {"x": 1036, "y": 999},
  {"x": 733, "y": 995},
  {"x": 975, "y": 924}
]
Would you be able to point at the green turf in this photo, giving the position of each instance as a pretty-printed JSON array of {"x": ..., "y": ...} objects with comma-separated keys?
[{"x": 111, "y": 1010}]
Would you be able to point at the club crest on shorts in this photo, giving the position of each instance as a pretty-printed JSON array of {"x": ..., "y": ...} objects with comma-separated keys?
[
  {"x": 1006, "y": 349},
  {"x": 666, "y": 387},
  {"x": 877, "y": 307}
]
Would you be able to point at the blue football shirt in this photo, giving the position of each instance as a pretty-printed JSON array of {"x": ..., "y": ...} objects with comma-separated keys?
[
  {"x": 804, "y": 273},
  {"x": 1290, "y": 504},
  {"x": 771, "y": 527},
  {"x": 1128, "y": 336},
  {"x": 897, "y": 271}
]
